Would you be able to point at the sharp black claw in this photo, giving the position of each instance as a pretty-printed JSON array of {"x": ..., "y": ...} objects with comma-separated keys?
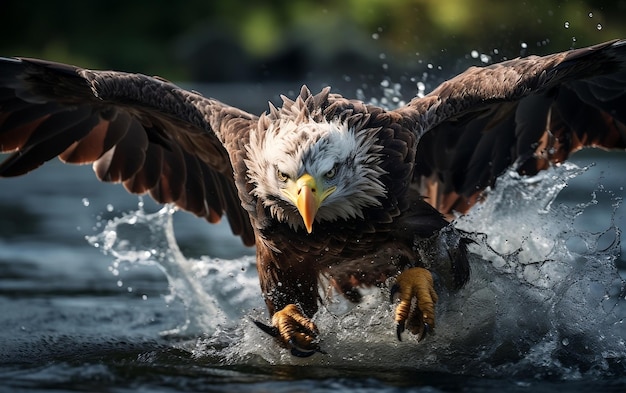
[
  {"x": 271, "y": 330},
  {"x": 427, "y": 330},
  {"x": 295, "y": 350},
  {"x": 301, "y": 354},
  {"x": 304, "y": 353},
  {"x": 394, "y": 289},
  {"x": 400, "y": 330}
]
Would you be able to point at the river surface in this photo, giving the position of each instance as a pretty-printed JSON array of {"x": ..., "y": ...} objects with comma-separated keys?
[{"x": 104, "y": 291}]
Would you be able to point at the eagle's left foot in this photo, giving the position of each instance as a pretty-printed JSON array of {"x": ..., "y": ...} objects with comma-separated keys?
[
  {"x": 292, "y": 328},
  {"x": 419, "y": 318}
]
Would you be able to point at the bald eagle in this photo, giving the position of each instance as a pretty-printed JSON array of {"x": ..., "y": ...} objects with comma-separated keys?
[{"x": 323, "y": 186}]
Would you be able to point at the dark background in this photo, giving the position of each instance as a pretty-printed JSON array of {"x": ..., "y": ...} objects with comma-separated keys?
[{"x": 299, "y": 40}]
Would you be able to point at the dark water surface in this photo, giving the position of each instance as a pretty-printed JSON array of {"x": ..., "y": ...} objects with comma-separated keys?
[{"x": 143, "y": 317}]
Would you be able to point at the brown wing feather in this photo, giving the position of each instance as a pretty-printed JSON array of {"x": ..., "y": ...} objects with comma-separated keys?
[
  {"x": 531, "y": 112},
  {"x": 143, "y": 132}
]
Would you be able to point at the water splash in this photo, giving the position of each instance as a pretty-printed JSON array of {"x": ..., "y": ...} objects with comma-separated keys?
[
  {"x": 545, "y": 297},
  {"x": 533, "y": 307},
  {"x": 392, "y": 96},
  {"x": 559, "y": 298},
  {"x": 214, "y": 292},
  {"x": 484, "y": 58}
]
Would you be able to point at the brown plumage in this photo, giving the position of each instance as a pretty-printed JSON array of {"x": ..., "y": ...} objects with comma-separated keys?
[{"x": 323, "y": 186}]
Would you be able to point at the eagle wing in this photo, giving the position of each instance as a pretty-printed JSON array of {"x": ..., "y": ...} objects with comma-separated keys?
[
  {"x": 143, "y": 132},
  {"x": 531, "y": 112}
]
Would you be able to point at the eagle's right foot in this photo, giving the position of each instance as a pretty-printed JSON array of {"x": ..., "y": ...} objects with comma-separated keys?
[{"x": 293, "y": 329}]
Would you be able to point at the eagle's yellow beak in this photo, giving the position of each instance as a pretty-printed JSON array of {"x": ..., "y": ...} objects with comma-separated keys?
[{"x": 308, "y": 197}]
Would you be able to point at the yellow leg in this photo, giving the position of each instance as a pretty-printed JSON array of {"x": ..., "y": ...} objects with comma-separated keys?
[{"x": 419, "y": 316}]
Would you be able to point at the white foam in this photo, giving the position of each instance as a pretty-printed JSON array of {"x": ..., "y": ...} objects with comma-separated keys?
[{"x": 543, "y": 296}]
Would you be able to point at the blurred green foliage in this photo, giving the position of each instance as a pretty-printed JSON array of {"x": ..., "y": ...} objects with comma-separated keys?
[{"x": 165, "y": 38}]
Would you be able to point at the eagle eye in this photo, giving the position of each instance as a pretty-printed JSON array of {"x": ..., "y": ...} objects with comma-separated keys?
[
  {"x": 282, "y": 176},
  {"x": 332, "y": 172}
]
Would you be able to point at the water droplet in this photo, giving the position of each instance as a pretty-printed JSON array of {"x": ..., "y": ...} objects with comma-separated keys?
[
  {"x": 120, "y": 283},
  {"x": 110, "y": 207},
  {"x": 591, "y": 14},
  {"x": 85, "y": 202},
  {"x": 567, "y": 25},
  {"x": 599, "y": 26},
  {"x": 144, "y": 297},
  {"x": 565, "y": 341},
  {"x": 474, "y": 54},
  {"x": 524, "y": 45},
  {"x": 375, "y": 36}
]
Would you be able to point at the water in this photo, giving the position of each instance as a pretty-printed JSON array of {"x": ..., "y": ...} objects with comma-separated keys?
[
  {"x": 565, "y": 277},
  {"x": 102, "y": 291}
]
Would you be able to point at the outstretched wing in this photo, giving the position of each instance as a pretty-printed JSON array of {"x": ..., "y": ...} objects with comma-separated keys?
[
  {"x": 148, "y": 134},
  {"x": 530, "y": 112}
]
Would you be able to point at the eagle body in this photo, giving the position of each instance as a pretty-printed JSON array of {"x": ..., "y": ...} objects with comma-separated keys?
[
  {"x": 328, "y": 189},
  {"x": 360, "y": 247}
]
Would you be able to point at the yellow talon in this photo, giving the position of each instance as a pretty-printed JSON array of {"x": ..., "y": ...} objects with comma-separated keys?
[
  {"x": 415, "y": 283},
  {"x": 294, "y": 330}
]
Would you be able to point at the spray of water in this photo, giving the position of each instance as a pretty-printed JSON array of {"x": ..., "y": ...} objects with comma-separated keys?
[
  {"x": 545, "y": 297},
  {"x": 210, "y": 289}
]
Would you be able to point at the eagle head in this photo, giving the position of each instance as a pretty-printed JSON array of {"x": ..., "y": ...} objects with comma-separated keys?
[{"x": 308, "y": 164}]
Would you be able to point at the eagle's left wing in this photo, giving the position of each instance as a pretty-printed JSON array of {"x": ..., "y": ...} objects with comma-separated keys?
[
  {"x": 146, "y": 133},
  {"x": 530, "y": 111}
]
